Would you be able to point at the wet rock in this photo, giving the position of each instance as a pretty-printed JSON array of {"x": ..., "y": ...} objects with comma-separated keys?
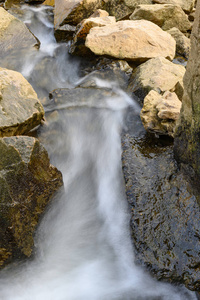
[
  {"x": 182, "y": 42},
  {"x": 165, "y": 216},
  {"x": 186, "y": 5},
  {"x": 73, "y": 12},
  {"x": 9, "y": 3},
  {"x": 160, "y": 112},
  {"x": 157, "y": 74},
  {"x": 78, "y": 44},
  {"x": 131, "y": 40},
  {"x": 15, "y": 39},
  {"x": 20, "y": 109},
  {"x": 28, "y": 182},
  {"x": 165, "y": 16},
  {"x": 64, "y": 33}
]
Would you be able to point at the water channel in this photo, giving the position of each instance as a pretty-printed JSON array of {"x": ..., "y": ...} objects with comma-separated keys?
[{"x": 83, "y": 245}]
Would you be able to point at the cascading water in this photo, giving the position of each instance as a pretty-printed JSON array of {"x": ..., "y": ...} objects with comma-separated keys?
[{"x": 83, "y": 247}]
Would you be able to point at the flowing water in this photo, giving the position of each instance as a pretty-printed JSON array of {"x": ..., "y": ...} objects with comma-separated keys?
[{"x": 83, "y": 246}]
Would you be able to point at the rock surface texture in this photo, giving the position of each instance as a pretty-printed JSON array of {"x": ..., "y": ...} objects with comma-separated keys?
[
  {"x": 186, "y": 5},
  {"x": 160, "y": 112},
  {"x": 131, "y": 40},
  {"x": 182, "y": 42},
  {"x": 20, "y": 109},
  {"x": 165, "y": 216},
  {"x": 14, "y": 35},
  {"x": 165, "y": 16},
  {"x": 157, "y": 74},
  {"x": 187, "y": 141},
  {"x": 73, "y": 12},
  {"x": 27, "y": 182}
]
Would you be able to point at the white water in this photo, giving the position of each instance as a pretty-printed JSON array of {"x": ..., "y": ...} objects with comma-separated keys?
[{"x": 84, "y": 250}]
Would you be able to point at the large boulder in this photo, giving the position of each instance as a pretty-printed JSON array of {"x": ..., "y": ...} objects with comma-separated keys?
[
  {"x": 182, "y": 42},
  {"x": 20, "y": 109},
  {"x": 160, "y": 112},
  {"x": 131, "y": 40},
  {"x": 78, "y": 44},
  {"x": 165, "y": 217},
  {"x": 157, "y": 74},
  {"x": 165, "y": 16},
  {"x": 73, "y": 12},
  {"x": 15, "y": 38},
  {"x": 187, "y": 141},
  {"x": 27, "y": 183},
  {"x": 186, "y": 5}
]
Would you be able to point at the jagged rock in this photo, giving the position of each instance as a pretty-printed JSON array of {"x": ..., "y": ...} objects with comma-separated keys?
[
  {"x": 182, "y": 42},
  {"x": 122, "y": 9},
  {"x": 78, "y": 44},
  {"x": 165, "y": 16},
  {"x": 157, "y": 74},
  {"x": 20, "y": 109},
  {"x": 64, "y": 33},
  {"x": 15, "y": 38},
  {"x": 160, "y": 113},
  {"x": 165, "y": 217},
  {"x": 99, "y": 13},
  {"x": 131, "y": 40},
  {"x": 73, "y": 12},
  {"x": 27, "y": 183},
  {"x": 187, "y": 5}
]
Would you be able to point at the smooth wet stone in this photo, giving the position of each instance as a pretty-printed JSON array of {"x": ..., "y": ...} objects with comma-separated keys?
[
  {"x": 20, "y": 109},
  {"x": 27, "y": 183},
  {"x": 165, "y": 215}
]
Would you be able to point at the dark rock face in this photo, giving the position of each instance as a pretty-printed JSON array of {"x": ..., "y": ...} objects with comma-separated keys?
[
  {"x": 187, "y": 140},
  {"x": 165, "y": 219},
  {"x": 27, "y": 182}
]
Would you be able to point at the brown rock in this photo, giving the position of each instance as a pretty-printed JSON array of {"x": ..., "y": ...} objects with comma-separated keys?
[
  {"x": 165, "y": 16},
  {"x": 131, "y": 40},
  {"x": 160, "y": 113},
  {"x": 27, "y": 183},
  {"x": 73, "y": 12}
]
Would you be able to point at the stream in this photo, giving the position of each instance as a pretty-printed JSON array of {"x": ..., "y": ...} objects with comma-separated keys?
[{"x": 83, "y": 245}]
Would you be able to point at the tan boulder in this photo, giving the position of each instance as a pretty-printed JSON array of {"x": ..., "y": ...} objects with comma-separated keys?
[
  {"x": 14, "y": 36},
  {"x": 165, "y": 16},
  {"x": 156, "y": 74},
  {"x": 20, "y": 109},
  {"x": 78, "y": 44},
  {"x": 73, "y": 12},
  {"x": 182, "y": 42},
  {"x": 186, "y": 5},
  {"x": 131, "y": 40},
  {"x": 160, "y": 113},
  {"x": 99, "y": 13}
]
